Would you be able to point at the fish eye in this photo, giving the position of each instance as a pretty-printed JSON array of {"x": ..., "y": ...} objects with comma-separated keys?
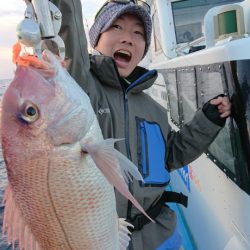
[{"x": 29, "y": 112}]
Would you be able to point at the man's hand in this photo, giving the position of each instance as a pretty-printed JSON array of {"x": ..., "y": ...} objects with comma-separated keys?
[{"x": 223, "y": 104}]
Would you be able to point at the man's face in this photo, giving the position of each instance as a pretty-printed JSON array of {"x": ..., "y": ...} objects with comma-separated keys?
[{"x": 125, "y": 42}]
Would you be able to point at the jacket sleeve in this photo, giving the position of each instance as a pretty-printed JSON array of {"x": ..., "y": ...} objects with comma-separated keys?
[
  {"x": 72, "y": 32},
  {"x": 187, "y": 144}
]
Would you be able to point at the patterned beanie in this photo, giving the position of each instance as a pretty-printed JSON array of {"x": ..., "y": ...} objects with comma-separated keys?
[{"x": 111, "y": 12}]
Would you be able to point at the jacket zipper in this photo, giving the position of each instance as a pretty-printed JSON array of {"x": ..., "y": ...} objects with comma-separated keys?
[
  {"x": 126, "y": 117},
  {"x": 127, "y": 148},
  {"x": 144, "y": 132},
  {"x": 127, "y": 125}
]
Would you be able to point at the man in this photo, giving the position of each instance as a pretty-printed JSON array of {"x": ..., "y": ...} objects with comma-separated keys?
[{"x": 121, "y": 37}]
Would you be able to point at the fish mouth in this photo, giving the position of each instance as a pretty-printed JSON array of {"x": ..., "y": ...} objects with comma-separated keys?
[{"x": 122, "y": 58}]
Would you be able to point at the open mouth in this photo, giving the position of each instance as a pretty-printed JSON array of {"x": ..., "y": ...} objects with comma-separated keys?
[{"x": 122, "y": 58}]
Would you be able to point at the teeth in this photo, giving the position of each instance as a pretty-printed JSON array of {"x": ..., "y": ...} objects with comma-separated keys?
[{"x": 124, "y": 52}]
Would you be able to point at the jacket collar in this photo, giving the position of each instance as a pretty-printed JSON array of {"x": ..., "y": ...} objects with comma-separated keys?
[{"x": 106, "y": 71}]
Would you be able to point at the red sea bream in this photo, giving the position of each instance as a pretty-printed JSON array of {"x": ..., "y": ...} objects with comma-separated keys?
[{"x": 61, "y": 172}]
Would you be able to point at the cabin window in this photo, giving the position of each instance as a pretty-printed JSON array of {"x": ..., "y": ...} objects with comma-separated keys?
[
  {"x": 189, "y": 17},
  {"x": 189, "y": 89},
  {"x": 230, "y": 148},
  {"x": 171, "y": 82},
  {"x": 187, "y": 97},
  {"x": 240, "y": 99},
  {"x": 212, "y": 81}
]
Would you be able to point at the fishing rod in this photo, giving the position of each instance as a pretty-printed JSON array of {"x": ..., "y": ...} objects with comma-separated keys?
[{"x": 42, "y": 22}]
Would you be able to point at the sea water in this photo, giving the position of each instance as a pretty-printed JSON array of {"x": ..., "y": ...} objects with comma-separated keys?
[{"x": 3, "y": 175}]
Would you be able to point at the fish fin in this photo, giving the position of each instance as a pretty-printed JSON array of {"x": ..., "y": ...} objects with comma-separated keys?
[
  {"x": 110, "y": 162},
  {"x": 14, "y": 227},
  {"x": 128, "y": 168},
  {"x": 124, "y": 233}
]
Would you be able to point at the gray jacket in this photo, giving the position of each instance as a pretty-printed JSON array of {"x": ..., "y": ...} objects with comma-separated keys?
[{"x": 127, "y": 112}]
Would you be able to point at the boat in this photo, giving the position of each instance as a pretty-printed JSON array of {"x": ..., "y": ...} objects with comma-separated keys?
[{"x": 201, "y": 49}]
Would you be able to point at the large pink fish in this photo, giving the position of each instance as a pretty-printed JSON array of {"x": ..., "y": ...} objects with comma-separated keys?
[{"x": 61, "y": 171}]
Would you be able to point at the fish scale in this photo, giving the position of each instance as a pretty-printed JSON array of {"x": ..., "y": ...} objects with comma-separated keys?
[{"x": 92, "y": 201}]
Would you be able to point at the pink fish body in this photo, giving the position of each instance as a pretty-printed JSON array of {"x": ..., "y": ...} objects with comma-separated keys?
[{"x": 61, "y": 172}]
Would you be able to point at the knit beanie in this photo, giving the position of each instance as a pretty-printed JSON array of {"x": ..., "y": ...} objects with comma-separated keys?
[{"x": 114, "y": 10}]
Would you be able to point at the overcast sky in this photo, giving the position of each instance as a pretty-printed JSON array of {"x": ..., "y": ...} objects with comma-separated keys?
[{"x": 11, "y": 13}]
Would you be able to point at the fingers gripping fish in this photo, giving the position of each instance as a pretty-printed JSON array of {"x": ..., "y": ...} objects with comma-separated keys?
[{"x": 61, "y": 171}]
